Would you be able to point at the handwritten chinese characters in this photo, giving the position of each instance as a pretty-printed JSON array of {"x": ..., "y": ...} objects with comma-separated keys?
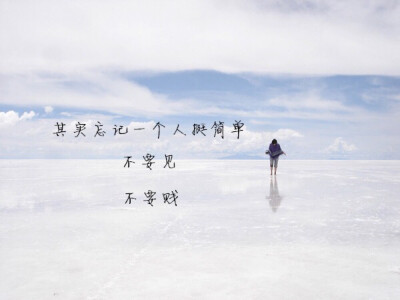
[
  {"x": 217, "y": 129},
  {"x": 148, "y": 161},
  {"x": 150, "y": 197},
  {"x": 199, "y": 130}
]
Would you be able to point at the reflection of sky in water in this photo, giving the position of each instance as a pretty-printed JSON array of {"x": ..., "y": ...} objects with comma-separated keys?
[{"x": 60, "y": 218}]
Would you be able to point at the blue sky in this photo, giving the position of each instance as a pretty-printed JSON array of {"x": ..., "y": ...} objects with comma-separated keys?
[{"x": 320, "y": 76}]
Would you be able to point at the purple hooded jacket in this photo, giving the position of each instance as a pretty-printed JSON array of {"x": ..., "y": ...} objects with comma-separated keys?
[{"x": 275, "y": 150}]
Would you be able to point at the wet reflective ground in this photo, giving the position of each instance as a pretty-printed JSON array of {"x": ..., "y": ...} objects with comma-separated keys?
[{"x": 317, "y": 230}]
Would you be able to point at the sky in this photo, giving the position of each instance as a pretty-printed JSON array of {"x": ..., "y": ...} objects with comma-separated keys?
[{"x": 322, "y": 77}]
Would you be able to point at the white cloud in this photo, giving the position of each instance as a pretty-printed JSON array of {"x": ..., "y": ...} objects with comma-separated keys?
[
  {"x": 251, "y": 142},
  {"x": 307, "y": 37},
  {"x": 27, "y": 115},
  {"x": 309, "y": 102},
  {"x": 48, "y": 109},
  {"x": 339, "y": 145},
  {"x": 285, "y": 134},
  {"x": 11, "y": 117}
]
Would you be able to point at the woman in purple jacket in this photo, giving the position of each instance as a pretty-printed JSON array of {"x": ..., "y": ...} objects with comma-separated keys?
[{"x": 274, "y": 152}]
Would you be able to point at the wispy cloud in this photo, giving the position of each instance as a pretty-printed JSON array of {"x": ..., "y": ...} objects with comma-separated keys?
[
  {"x": 311, "y": 102},
  {"x": 296, "y": 37},
  {"x": 90, "y": 91},
  {"x": 112, "y": 93}
]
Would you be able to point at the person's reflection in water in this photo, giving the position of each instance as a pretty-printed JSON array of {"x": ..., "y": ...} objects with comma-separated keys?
[{"x": 274, "y": 198}]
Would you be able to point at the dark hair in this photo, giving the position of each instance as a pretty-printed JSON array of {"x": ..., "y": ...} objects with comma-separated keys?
[{"x": 274, "y": 142}]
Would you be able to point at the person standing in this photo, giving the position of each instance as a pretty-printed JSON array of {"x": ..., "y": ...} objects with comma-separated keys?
[{"x": 274, "y": 152}]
